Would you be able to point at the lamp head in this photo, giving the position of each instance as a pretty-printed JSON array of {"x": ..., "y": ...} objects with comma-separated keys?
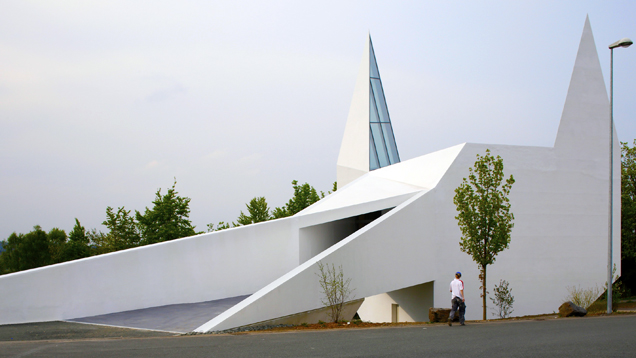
[{"x": 624, "y": 42}]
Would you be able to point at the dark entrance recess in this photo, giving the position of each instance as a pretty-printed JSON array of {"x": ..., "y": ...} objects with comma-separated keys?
[{"x": 317, "y": 238}]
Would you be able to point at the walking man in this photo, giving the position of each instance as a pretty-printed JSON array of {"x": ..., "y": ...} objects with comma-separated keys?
[{"x": 457, "y": 299}]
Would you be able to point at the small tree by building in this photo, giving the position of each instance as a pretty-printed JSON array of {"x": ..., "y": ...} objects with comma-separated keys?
[
  {"x": 335, "y": 288},
  {"x": 484, "y": 214},
  {"x": 503, "y": 299}
]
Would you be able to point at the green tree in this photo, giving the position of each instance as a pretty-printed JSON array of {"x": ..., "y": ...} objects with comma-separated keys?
[
  {"x": 77, "y": 246},
  {"x": 34, "y": 249},
  {"x": 122, "y": 234},
  {"x": 258, "y": 212},
  {"x": 304, "y": 196},
  {"x": 97, "y": 242},
  {"x": 57, "y": 244},
  {"x": 484, "y": 215},
  {"x": 168, "y": 219},
  {"x": 628, "y": 217},
  {"x": 10, "y": 257},
  {"x": 222, "y": 225},
  {"x": 628, "y": 201}
]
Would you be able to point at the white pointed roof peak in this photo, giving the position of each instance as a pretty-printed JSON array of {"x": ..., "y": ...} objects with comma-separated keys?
[{"x": 585, "y": 114}]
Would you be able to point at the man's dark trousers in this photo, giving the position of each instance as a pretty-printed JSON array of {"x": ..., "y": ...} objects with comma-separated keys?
[{"x": 457, "y": 303}]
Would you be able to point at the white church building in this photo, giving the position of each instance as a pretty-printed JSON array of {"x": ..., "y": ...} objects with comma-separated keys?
[{"x": 391, "y": 227}]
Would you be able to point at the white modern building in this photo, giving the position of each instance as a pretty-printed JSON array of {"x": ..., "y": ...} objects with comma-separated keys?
[{"x": 391, "y": 226}]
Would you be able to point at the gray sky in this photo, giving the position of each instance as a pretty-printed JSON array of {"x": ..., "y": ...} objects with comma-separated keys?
[{"x": 104, "y": 102}]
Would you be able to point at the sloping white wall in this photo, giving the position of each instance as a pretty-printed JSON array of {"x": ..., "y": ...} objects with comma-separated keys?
[
  {"x": 228, "y": 263},
  {"x": 206, "y": 267}
]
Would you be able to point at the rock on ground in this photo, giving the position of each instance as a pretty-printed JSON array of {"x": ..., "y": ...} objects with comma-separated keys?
[
  {"x": 440, "y": 315},
  {"x": 569, "y": 309}
]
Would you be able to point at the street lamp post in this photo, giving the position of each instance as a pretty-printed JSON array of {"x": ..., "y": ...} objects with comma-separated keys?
[{"x": 625, "y": 42}]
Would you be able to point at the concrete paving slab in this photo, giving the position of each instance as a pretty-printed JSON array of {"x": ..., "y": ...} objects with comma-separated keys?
[{"x": 179, "y": 318}]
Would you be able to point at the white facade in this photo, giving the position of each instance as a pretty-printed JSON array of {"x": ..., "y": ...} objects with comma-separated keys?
[{"x": 407, "y": 254}]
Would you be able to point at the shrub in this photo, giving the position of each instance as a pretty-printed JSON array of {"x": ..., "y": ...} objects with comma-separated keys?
[
  {"x": 335, "y": 288},
  {"x": 503, "y": 299},
  {"x": 617, "y": 290},
  {"x": 583, "y": 297}
]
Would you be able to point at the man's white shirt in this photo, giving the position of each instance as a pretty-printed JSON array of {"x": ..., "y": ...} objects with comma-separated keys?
[{"x": 456, "y": 286}]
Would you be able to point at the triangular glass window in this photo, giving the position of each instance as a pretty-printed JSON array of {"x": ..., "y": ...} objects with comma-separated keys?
[{"x": 382, "y": 148}]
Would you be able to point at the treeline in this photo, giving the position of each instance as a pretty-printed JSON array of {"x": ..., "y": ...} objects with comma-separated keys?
[
  {"x": 259, "y": 211},
  {"x": 167, "y": 220}
]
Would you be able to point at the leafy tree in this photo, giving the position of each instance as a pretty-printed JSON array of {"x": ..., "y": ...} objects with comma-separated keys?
[
  {"x": 10, "y": 257},
  {"x": 98, "y": 242},
  {"x": 168, "y": 219},
  {"x": 304, "y": 196},
  {"x": 484, "y": 214},
  {"x": 57, "y": 244},
  {"x": 258, "y": 212},
  {"x": 279, "y": 212},
  {"x": 628, "y": 201},
  {"x": 123, "y": 233},
  {"x": 31, "y": 250},
  {"x": 628, "y": 217},
  {"x": 222, "y": 225},
  {"x": 34, "y": 249},
  {"x": 77, "y": 245},
  {"x": 334, "y": 188}
]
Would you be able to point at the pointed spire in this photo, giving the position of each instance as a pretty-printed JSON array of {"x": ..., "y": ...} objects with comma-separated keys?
[
  {"x": 353, "y": 159},
  {"x": 584, "y": 127},
  {"x": 368, "y": 142}
]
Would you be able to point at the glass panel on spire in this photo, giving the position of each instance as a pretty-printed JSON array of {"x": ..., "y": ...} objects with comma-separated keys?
[
  {"x": 379, "y": 143},
  {"x": 382, "y": 148},
  {"x": 373, "y": 109},
  {"x": 378, "y": 93},
  {"x": 373, "y": 155},
  {"x": 373, "y": 66},
  {"x": 389, "y": 139}
]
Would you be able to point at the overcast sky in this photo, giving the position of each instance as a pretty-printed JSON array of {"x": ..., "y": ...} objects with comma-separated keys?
[{"x": 104, "y": 102}]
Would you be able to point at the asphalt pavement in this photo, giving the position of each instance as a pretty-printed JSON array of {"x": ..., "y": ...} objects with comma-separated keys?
[
  {"x": 179, "y": 318},
  {"x": 604, "y": 336}
]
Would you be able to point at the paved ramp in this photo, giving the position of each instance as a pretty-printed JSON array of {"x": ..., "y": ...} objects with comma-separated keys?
[{"x": 180, "y": 318}]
